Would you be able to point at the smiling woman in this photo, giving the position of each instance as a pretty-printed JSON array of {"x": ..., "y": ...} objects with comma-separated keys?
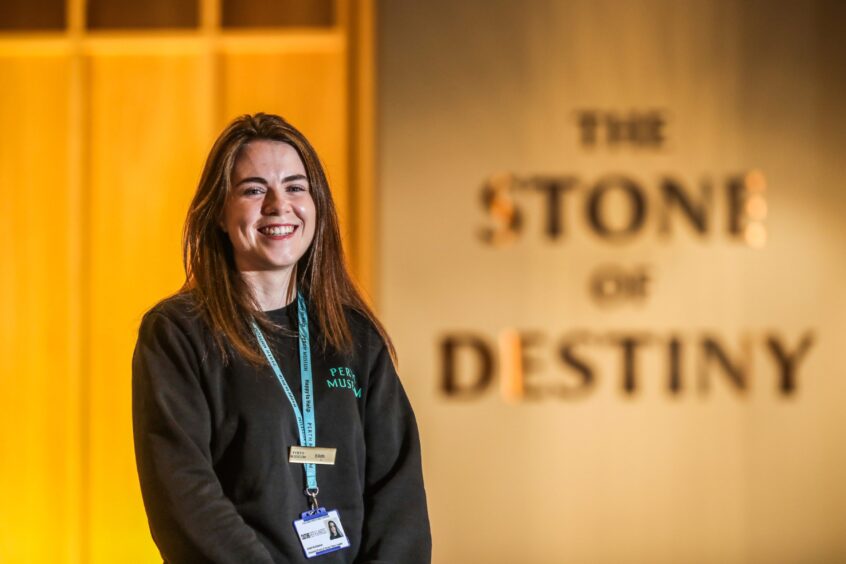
[
  {"x": 230, "y": 298},
  {"x": 225, "y": 451},
  {"x": 269, "y": 217}
]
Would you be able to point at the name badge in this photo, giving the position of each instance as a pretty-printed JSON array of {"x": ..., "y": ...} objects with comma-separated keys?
[
  {"x": 320, "y": 532},
  {"x": 311, "y": 455}
]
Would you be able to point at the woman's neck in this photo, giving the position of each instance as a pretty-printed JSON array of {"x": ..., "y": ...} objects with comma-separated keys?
[{"x": 269, "y": 287}]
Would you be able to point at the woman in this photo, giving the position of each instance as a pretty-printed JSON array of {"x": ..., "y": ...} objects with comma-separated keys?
[
  {"x": 334, "y": 533},
  {"x": 267, "y": 360}
]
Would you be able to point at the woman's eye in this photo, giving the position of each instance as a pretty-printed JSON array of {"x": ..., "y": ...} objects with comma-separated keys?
[
  {"x": 297, "y": 188},
  {"x": 252, "y": 191}
]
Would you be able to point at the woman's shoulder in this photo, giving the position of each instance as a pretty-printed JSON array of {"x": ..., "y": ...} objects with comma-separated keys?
[
  {"x": 367, "y": 338},
  {"x": 179, "y": 309},
  {"x": 361, "y": 324},
  {"x": 181, "y": 304}
]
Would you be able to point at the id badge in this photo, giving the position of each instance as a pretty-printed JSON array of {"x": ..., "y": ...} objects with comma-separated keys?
[{"x": 320, "y": 532}]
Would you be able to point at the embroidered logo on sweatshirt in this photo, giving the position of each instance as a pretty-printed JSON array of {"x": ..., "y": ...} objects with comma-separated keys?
[{"x": 343, "y": 377}]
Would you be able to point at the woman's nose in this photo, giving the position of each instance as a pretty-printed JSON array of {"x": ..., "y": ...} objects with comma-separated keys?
[{"x": 275, "y": 203}]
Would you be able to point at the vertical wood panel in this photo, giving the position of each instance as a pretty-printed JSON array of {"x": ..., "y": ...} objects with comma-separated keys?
[
  {"x": 149, "y": 135},
  {"x": 309, "y": 89},
  {"x": 39, "y": 380},
  {"x": 362, "y": 142}
]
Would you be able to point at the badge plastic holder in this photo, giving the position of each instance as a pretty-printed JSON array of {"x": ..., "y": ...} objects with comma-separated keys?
[{"x": 315, "y": 532}]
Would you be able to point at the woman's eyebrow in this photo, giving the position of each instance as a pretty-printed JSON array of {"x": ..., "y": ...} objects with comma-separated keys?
[
  {"x": 257, "y": 179},
  {"x": 261, "y": 180}
]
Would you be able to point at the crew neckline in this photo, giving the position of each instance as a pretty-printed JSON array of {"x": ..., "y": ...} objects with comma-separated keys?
[
  {"x": 282, "y": 314},
  {"x": 278, "y": 310}
]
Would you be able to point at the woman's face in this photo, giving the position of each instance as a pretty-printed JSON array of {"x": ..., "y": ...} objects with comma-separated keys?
[{"x": 269, "y": 213}]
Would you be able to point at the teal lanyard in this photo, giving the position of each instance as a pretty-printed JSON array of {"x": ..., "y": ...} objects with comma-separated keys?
[{"x": 305, "y": 420}]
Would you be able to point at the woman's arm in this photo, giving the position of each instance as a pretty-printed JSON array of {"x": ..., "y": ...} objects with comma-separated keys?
[
  {"x": 396, "y": 521},
  {"x": 190, "y": 518}
]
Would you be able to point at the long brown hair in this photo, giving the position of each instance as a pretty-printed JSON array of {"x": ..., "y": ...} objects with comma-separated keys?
[{"x": 222, "y": 296}]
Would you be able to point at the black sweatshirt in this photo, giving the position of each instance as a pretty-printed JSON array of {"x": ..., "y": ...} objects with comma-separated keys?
[{"x": 212, "y": 440}]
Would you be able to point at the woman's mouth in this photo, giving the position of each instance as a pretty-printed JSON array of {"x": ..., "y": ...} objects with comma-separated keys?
[{"x": 277, "y": 231}]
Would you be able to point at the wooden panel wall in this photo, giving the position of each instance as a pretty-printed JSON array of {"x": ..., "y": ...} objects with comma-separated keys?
[
  {"x": 39, "y": 372},
  {"x": 104, "y": 138},
  {"x": 146, "y": 154},
  {"x": 308, "y": 86}
]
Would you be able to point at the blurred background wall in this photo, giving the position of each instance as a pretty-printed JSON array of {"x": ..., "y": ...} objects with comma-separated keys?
[
  {"x": 607, "y": 240},
  {"x": 611, "y": 255}
]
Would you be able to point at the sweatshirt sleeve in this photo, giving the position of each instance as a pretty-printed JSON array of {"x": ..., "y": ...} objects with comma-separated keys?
[
  {"x": 396, "y": 521},
  {"x": 190, "y": 517}
]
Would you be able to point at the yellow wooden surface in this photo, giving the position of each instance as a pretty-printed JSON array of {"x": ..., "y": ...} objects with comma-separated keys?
[
  {"x": 104, "y": 140},
  {"x": 309, "y": 89},
  {"x": 149, "y": 132},
  {"x": 362, "y": 145},
  {"x": 39, "y": 378}
]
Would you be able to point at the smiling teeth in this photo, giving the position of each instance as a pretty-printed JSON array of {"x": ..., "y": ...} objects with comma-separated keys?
[{"x": 278, "y": 230}]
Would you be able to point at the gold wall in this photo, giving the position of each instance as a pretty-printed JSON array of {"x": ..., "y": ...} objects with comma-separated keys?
[
  {"x": 539, "y": 464},
  {"x": 104, "y": 136}
]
